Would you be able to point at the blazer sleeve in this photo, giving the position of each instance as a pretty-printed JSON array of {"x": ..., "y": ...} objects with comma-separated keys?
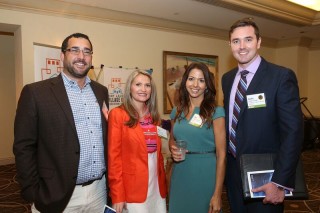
[
  {"x": 115, "y": 168},
  {"x": 25, "y": 143},
  {"x": 291, "y": 130}
]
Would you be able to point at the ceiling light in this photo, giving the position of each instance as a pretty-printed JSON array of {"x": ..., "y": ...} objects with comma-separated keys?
[{"x": 312, "y": 4}]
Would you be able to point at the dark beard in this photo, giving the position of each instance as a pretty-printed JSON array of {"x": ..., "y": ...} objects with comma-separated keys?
[
  {"x": 78, "y": 75},
  {"x": 74, "y": 73}
]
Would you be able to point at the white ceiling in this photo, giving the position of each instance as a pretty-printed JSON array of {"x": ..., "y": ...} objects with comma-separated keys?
[{"x": 208, "y": 13}]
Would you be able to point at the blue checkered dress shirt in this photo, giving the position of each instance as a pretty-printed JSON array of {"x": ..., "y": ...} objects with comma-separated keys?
[{"x": 87, "y": 116}]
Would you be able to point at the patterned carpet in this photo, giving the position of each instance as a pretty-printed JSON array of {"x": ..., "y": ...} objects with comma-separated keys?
[{"x": 11, "y": 202}]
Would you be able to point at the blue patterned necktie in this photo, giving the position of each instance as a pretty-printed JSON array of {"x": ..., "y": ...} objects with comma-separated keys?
[{"x": 240, "y": 94}]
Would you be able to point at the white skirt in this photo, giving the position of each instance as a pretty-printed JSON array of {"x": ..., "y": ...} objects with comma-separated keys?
[{"x": 154, "y": 203}]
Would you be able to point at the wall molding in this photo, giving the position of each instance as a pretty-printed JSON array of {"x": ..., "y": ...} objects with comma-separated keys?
[
  {"x": 77, "y": 11},
  {"x": 284, "y": 11}
]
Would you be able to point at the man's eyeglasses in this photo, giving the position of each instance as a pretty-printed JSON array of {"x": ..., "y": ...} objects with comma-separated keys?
[{"x": 76, "y": 51}]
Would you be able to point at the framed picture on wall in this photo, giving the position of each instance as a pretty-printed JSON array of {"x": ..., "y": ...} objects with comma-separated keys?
[{"x": 174, "y": 66}]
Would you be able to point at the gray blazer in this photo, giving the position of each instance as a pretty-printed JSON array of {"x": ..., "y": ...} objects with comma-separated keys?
[{"x": 46, "y": 145}]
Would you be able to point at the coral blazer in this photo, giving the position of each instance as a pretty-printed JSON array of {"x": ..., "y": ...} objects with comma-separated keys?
[{"x": 128, "y": 161}]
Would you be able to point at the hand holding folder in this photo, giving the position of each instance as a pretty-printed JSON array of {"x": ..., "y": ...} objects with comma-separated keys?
[{"x": 261, "y": 162}]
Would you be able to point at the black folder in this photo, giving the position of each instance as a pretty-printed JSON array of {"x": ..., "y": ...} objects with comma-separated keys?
[{"x": 259, "y": 162}]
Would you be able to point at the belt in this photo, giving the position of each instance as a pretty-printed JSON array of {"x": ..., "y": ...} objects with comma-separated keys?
[
  {"x": 204, "y": 152},
  {"x": 89, "y": 182}
]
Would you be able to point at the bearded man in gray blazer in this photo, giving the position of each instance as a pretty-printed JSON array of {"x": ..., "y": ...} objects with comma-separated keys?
[{"x": 60, "y": 136}]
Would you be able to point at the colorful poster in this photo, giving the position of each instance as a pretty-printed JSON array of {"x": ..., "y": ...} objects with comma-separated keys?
[
  {"x": 115, "y": 80},
  {"x": 47, "y": 63}
]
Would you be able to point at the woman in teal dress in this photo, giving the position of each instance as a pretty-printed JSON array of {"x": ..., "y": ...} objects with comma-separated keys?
[{"x": 197, "y": 182}]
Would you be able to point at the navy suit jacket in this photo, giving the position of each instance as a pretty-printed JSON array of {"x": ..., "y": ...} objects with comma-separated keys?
[
  {"x": 276, "y": 128},
  {"x": 46, "y": 145}
]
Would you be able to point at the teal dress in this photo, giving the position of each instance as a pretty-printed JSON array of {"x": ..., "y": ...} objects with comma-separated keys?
[{"x": 193, "y": 180}]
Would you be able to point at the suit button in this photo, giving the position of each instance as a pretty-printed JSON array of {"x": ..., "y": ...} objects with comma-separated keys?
[
  {"x": 75, "y": 177},
  {"x": 77, "y": 152}
]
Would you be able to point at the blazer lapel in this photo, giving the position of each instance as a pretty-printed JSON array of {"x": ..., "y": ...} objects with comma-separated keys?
[
  {"x": 255, "y": 82},
  {"x": 97, "y": 93},
  {"x": 100, "y": 98},
  {"x": 229, "y": 82},
  {"x": 258, "y": 77},
  {"x": 60, "y": 93}
]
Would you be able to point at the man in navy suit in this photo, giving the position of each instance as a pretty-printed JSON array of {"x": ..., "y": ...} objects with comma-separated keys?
[
  {"x": 59, "y": 136},
  {"x": 269, "y": 121}
]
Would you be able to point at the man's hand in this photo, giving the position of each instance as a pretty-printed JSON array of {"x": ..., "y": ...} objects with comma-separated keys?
[{"x": 274, "y": 195}]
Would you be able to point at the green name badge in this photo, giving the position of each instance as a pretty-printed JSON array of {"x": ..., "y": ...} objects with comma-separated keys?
[{"x": 256, "y": 101}]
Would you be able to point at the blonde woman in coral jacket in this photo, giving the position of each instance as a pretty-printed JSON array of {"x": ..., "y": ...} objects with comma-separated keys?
[{"x": 135, "y": 164}]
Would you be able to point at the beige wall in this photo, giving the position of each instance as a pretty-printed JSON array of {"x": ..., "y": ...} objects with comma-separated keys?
[
  {"x": 116, "y": 45},
  {"x": 313, "y": 102},
  {"x": 7, "y": 97},
  {"x": 305, "y": 63}
]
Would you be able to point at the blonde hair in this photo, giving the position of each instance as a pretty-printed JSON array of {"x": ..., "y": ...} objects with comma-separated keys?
[{"x": 151, "y": 103}]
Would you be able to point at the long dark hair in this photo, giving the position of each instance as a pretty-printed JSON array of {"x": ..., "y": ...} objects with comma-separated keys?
[{"x": 208, "y": 105}]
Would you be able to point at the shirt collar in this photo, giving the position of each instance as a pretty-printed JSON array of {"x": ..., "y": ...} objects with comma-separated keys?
[
  {"x": 253, "y": 67},
  {"x": 69, "y": 82}
]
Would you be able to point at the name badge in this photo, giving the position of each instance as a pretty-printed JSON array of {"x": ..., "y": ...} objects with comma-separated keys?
[
  {"x": 162, "y": 132},
  {"x": 105, "y": 110},
  {"x": 256, "y": 101},
  {"x": 196, "y": 121}
]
